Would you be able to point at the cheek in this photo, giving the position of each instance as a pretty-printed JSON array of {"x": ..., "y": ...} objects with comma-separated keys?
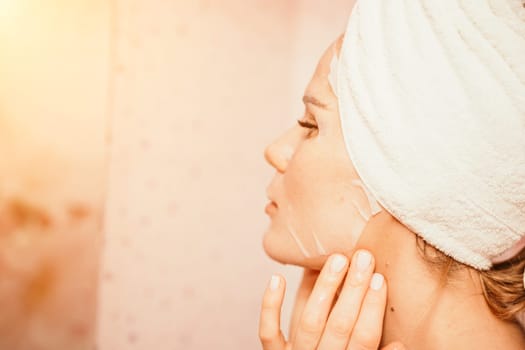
[
  {"x": 319, "y": 171},
  {"x": 339, "y": 226},
  {"x": 309, "y": 179},
  {"x": 326, "y": 209}
]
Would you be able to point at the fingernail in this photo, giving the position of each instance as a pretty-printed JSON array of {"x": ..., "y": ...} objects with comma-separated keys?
[
  {"x": 364, "y": 259},
  {"x": 377, "y": 281},
  {"x": 337, "y": 263},
  {"x": 274, "y": 282}
]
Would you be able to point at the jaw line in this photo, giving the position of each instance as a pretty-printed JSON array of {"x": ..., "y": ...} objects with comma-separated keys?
[{"x": 297, "y": 241}]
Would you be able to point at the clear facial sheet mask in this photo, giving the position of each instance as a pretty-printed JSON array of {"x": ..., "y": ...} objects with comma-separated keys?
[{"x": 363, "y": 211}]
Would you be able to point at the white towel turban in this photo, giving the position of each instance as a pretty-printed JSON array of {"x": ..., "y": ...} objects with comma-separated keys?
[{"x": 432, "y": 104}]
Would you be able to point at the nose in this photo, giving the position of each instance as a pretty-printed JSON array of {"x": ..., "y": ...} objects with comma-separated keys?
[{"x": 279, "y": 152}]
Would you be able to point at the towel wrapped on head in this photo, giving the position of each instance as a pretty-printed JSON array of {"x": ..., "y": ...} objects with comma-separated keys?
[{"x": 432, "y": 104}]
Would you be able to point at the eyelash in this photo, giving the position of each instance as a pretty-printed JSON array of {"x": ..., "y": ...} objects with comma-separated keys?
[{"x": 307, "y": 125}]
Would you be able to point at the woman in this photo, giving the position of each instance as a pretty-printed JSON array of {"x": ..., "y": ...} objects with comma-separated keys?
[{"x": 412, "y": 148}]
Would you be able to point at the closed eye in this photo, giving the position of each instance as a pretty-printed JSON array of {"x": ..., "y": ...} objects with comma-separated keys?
[{"x": 307, "y": 125}]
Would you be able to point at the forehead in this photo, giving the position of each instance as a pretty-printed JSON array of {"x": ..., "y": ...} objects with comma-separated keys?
[
  {"x": 319, "y": 85},
  {"x": 334, "y": 49}
]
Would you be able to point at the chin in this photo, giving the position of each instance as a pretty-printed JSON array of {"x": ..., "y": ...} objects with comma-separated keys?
[
  {"x": 278, "y": 249},
  {"x": 284, "y": 251},
  {"x": 270, "y": 248}
]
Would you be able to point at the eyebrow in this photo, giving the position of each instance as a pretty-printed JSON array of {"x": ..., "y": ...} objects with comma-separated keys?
[{"x": 314, "y": 101}]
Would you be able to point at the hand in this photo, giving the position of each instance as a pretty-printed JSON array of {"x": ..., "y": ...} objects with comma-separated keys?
[
  {"x": 353, "y": 320},
  {"x": 301, "y": 297}
]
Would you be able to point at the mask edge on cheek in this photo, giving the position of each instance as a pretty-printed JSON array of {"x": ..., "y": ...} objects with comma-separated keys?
[{"x": 320, "y": 249}]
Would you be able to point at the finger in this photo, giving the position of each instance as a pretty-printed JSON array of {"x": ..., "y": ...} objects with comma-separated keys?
[
  {"x": 346, "y": 310},
  {"x": 394, "y": 346},
  {"x": 369, "y": 327},
  {"x": 313, "y": 319},
  {"x": 303, "y": 293},
  {"x": 270, "y": 321}
]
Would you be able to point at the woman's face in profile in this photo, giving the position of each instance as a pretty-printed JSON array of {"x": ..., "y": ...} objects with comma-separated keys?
[{"x": 319, "y": 205}]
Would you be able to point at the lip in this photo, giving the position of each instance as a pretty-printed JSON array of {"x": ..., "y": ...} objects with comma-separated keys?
[{"x": 270, "y": 208}]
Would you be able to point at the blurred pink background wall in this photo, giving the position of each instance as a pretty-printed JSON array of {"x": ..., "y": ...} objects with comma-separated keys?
[
  {"x": 54, "y": 73},
  {"x": 202, "y": 87},
  {"x": 192, "y": 92}
]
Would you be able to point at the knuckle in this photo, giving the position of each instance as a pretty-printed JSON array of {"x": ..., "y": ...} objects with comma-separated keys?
[
  {"x": 268, "y": 330},
  {"x": 359, "y": 279},
  {"x": 270, "y": 303},
  {"x": 341, "y": 326},
  {"x": 310, "y": 325},
  {"x": 365, "y": 341},
  {"x": 267, "y": 335},
  {"x": 266, "y": 342},
  {"x": 328, "y": 280},
  {"x": 268, "y": 306}
]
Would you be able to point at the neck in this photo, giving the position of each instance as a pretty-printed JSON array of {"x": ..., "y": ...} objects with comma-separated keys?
[{"x": 429, "y": 308}]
